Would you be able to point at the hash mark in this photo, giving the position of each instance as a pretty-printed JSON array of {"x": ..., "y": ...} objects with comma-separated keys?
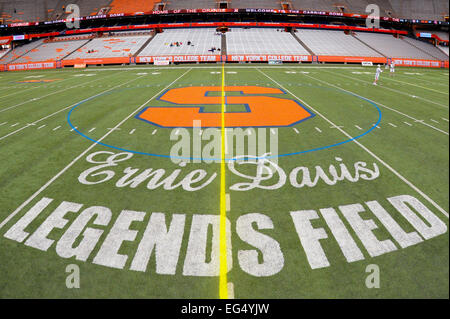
[
  {"x": 154, "y": 132},
  {"x": 407, "y": 123},
  {"x": 3, "y": 123},
  {"x": 41, "y": 127},
  {"x": 434, "y": 121},
  {"x": 318, "y": 130},
  {"x": 132, "y": 131},
  {"x": 74, "y": 128},
  {"x": 14, "y": 124},
  {"x": 295, "y": 130},
  {"x": 56, "y": 128},
  {"x": 358, "y": 127},
  {"x": 91, "y": 130},
  {"x": 392, "y": 125},
  {"x": 444, "y": 119}
]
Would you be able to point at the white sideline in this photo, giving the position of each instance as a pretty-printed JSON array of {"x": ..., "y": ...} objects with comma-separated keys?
[
  {"x": 391, "y": 89},
  {"x": 68, "y": 107},
  {"x": 44, "y": 96},
  {"x": 7, "y": 219},
  {"x": 380, "y": 104},
  {"x": 367, "y": 150}
]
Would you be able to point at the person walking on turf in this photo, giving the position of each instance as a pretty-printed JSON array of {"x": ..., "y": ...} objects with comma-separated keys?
[
  {"x": 392, "y": 69},
  {"x": 377, "y": 74}
]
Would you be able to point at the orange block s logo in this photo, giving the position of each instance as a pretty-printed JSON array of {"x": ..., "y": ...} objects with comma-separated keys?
[{"x": 261, "y": 110}]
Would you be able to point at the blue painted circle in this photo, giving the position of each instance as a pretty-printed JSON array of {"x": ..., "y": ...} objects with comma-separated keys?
[{"x": 228, "y": 159}]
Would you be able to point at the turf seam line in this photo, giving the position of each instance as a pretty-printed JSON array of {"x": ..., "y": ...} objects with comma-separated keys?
[
  {"x": 49, "y": 182},
  {"x": 425, "y": 196}
]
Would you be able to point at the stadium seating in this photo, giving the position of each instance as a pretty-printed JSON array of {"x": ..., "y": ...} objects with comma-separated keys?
[
  {"x": 127, "y": 6},
  {"x": 393, "y": 47},
  {"x": 263, "y": 41},
  {"x": 337, "y": 43},
  {"x": 441, "y": 35},
  {"x": 21, "y": 50},
  {"x": 428, "y": 48},
  {"x": 110, "y": 47},
  {"x": 261, "y": 4},
  {"x": 189, "y": 4},
  {"x": 444, "y": 49},
  {"x": 420, "y": 9},
  {"x": 41, "y": 10},
  {"x": 51, "y": 51},
  {"x": 202, "y": 41}
]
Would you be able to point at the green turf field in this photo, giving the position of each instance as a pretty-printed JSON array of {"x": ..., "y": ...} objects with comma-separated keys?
[{"x": 309, "y": 227}]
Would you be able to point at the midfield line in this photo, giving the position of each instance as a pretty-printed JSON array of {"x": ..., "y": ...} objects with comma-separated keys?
[
  {"x": 223, "y": 284},
  {"x": 380, "y": 104},
  {"x": 425, "y": 196},
  {"x": 40, "y": 190}
]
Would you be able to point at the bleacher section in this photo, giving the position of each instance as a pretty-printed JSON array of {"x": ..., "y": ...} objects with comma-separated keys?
[
  {"x": 260, "y": 4},
  {"x": 393, "y": 47},
  {"x": 189, "y": 4},
  {"x": 112, "y": 47},
  {"x": 336, "y": 43},
  {"x": 263, "y": 41},
  {"x": 51, "y": 51},
  {"x": 202, "y": 41},
  {"x": 43, "y": 10},
  {"x": 420, "y": 9},
  {"x": 428, "y": 48},
  {"x": 127, "y": 6},
  {"x": 441, "y": 35},
  {"x": 444, "y": 50},
  {"x": 17, "y": 52}
]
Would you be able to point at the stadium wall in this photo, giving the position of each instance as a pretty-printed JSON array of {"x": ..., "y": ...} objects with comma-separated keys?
[{"x": 221, "y": 58}]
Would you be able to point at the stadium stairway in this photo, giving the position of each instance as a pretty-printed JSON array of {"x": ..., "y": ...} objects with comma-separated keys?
[
  {"x": 368, "y": 45},
  {"x": 302, "y": 43},
  {"x": 77, "y": 49},
  {"x": 223, "y": 45},
  {"x": 418, "y": 48},
  {"x": 144, "y": 45}
]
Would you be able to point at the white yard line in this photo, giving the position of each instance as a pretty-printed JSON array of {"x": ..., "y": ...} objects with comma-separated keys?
[
  {"x": 44, "y": 96},
  {"x": 66, "y": 108},
  {"x": 40, "y": 190},
  {"x": 379, "y": 104},
  {"x": 407, "y": 182},
  {"x": 393, "y": 90},
  {"x": 423, "y": 87}
]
